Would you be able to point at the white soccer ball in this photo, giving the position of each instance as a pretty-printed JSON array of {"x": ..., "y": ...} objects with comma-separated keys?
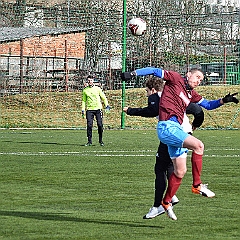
[{"x": 137, "y": 26}]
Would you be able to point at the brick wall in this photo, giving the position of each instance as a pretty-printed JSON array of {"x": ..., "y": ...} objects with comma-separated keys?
[{"x": 48, "y": 46}]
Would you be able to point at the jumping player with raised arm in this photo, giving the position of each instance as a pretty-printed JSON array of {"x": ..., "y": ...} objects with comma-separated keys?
[
  {"x": 164, "y": 165},
  {"x": 177, "y": 94}
]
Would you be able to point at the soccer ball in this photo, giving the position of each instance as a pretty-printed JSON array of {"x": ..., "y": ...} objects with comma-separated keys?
[{"x": 137, "y": 26}]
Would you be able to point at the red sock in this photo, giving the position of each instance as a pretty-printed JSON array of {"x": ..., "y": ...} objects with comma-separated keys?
[
  {"x": 173, "y": 184},
  {"x": 196, "y": 168}
]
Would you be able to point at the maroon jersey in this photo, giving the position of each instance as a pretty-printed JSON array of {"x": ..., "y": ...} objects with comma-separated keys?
[{"x": 175, "y": 97}]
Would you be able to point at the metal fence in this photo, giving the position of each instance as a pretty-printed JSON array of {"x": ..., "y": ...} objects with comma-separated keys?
[{"x": 179, "y": 35}]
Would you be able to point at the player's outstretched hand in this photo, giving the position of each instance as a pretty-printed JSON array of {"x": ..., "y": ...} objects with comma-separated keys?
[
  {"x": 125, "y": 109},
  {"x": 230, "y": 98},
  {"x": 125, "y": 76}
]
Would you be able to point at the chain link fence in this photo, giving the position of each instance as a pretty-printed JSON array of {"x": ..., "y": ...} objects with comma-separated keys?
[
  {"x": 180, "y": 34},
  {"x": 50, "y": 47}
]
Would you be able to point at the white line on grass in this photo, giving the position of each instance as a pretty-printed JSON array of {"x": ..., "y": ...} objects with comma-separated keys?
[
  {"x": 73, "y": 154},
  {"x": 99, "y": 154}
]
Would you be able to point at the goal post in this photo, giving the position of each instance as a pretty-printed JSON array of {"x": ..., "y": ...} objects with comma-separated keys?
[{"x": 124, "y": 36}]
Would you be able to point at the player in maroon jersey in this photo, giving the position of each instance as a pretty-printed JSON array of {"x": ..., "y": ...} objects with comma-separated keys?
[
  {"x": 177, "y": 94},
  {"x": 164, "y": 165}
]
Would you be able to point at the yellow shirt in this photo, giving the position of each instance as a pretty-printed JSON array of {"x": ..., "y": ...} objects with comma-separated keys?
[{"x": 92, "y": 98}]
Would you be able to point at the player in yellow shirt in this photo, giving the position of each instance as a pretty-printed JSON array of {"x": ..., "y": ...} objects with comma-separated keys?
[{"x": 92, "y": 101}]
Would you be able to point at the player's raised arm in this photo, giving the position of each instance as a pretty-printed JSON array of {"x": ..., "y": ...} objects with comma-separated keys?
[
  {"x": 152, "y": 110},
  {"x": 213, "y": 104},
  {"x": 158, "y": 72}
]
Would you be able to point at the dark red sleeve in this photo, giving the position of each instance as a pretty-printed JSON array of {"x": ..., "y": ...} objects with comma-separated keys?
[{"x": 196, "y": 97}]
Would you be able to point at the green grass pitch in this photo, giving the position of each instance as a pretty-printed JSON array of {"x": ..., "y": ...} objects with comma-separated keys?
[{"x": 53, "y": 187}]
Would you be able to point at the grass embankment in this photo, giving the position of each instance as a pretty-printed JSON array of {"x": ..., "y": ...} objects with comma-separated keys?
[{"x": 63, "y": 110}]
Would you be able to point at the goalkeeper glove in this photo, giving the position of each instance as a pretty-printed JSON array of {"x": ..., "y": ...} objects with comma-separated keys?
[
  {"x": 82, "y": 114},
  {"x": 127, "y": 75},
  {"x": 107, "y": 108},
  {"x": 230, "y": 98}
]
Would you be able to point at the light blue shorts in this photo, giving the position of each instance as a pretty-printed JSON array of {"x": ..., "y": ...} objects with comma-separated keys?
[{"x": 171, "y": 133}]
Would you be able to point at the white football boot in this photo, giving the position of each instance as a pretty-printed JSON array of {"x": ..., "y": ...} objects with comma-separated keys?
[
  {"x": 203, "y": 190},
  {"x": 169, "y": 210},
  {"x": 175, "y": 200},
  {"x": 154, "y": 212}
]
